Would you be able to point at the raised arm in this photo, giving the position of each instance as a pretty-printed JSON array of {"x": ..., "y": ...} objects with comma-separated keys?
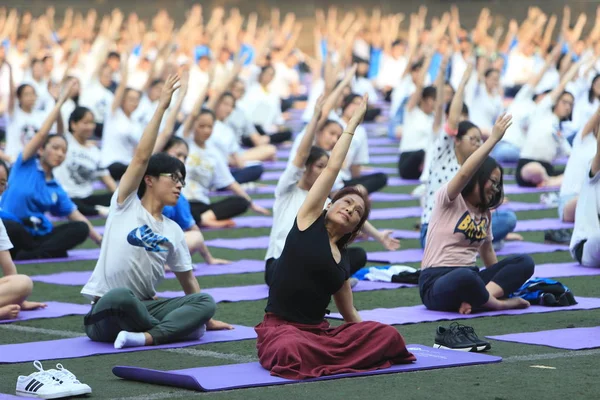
[
  {"x": 439, "y": 96},
  {"x": 38, "y": 140},
  {"x": 313, "y": 204},
  {"x": 309, "y": 135},
  {"x": 335, "y": 95},
  {"x": 472, "y": 164},
  {"x": 458, "y": 100},
  {"x": 169, "y": 127},
  {"x": 592, "y": 124},
  {"x": 596, "y": 161},
  {"x": 120, "y": 92},
  {"x": 137, "y": 168},
  {"x": 568, "y": 77}
]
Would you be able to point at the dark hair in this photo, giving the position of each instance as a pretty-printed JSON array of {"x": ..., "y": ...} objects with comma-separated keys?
[
  {"x": 127, "y": 90},
  {"x": 591, "y": 91},
  {"x": 174, "y": 141},
  {"x": 226, "y": 94},
  {"x": 22, "y": 88},
  {"x": 482, "y": 176},
  {"x": 206, "y": 111},
  {"x": 348, "y": 100},
  {"x": 417, "y": 65},
  {"x": 5, "y": 166},
  {"x": 77, "y": 115},
  {"x": 315, "y": 154},
  {"x": 113, "y": 54},
  {"x": 157, "y": 82},
  {"x": 363, "y": 194},
  {"x": 570, "y": 116},
  {"x": 490, "y": 71},
  {"x": 464, "y": 127},
  {"x": 397, "y": 42},
  {"x": 464, "y": 111},
  {"x": 36, "y": 61},
  {"x": 161, "y": 163},
  {"x": 264, "y": 69},
  {"x": 535, "y": 96},
  {"x": 52, "y": 136},
  {"x": 429, "y": 92},
  {"x": 331, "y": 122}
]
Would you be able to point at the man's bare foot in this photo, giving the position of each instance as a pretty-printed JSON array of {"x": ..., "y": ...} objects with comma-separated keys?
[
  {"x": 514, "y": 236},
  {"x": 465, "y": 308},
  {"x": 10, "y": 311},
  {"x": 226, "y": 223},
  {"x": 167, "y": 268}
]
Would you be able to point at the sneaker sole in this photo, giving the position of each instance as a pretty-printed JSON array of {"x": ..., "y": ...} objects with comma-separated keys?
[
  {"x": 483, "y": 348},
  {"x": 472, "y": 349},
  {"x": 48, "y": 396}
]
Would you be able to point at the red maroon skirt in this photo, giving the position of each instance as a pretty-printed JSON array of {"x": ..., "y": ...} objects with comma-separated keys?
[{"x": 298, "y": 351}]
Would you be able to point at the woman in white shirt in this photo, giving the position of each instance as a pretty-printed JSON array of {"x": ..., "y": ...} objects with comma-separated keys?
[
  {"x": 263, "y": 108},
  {"x": 82, "y": 166},
  {"x": 98, "y": 97},
  {"x": 121, "y": 131},
  {"x": 207, "y": 170},
  {"x": 585, "y": 241},
  {"x": 544, "y": 144},
  {"x": 362, "y": 85},
  {"x": 485, "y": 101}
]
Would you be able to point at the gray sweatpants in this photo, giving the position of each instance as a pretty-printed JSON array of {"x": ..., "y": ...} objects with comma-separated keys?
[{"x": 167, "y": 321}]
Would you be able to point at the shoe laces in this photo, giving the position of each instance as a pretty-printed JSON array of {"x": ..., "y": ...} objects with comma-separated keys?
[
  {"x": 42, "y": 375},
  {"x": 64, "y": 374},
  {"x": 464, "y": 329}
]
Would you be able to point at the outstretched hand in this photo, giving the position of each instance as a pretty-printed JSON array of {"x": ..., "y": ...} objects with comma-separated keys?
[
  {"x": 171, "y": 85},
  {"x": 390, "y": 243},
  {"x": 359, "y": 115},
  {"x": 65, "y": 92},
  {"x": 500, "y": 127},
  {"x": 319, "y": 106}
]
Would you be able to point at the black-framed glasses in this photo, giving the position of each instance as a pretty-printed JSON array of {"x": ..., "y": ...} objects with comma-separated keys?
[{"x": 175, "y": 178}]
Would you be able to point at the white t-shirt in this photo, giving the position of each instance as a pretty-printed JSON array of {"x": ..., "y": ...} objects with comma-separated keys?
[
  {"x": 262, "y": 108},
  {"x": 444, "y": 166},
  {"x": 358, "y": 153},
  {"x": 483, "y": 107},
  {"x": 390, "y": 71},
  {"x": 197, "y": 83},
  {"x": 418, "y": 130},
  {"x": 5, "y": 243},
  {"x": 242, "y": 126},
  {"x": 205, "y": 171},
  {"x": 288, "y": 200},
  {"x": 519, "y": 68},
  {"x": 284, "y": 78},
  {"x": 316, "y": 89},
  {"x": 544, "y": 141},
  {"x": 362, "y": 86},
  {"x": 135, "y": 249},
  {"x": 145, "y": 110},
  {"x": 522, "y": 109},
  {"x": 20, "y": 128},
  {"x": 224, "y": 140},
  {"x": 80, "y": 169},
  {"x": 459, "y": 66},
  {"x": 586, "y": 216},
  {"x": 120, "y": 138},
  {"x": 98, "y": 99},
  {"x": 582, "y": 154}
]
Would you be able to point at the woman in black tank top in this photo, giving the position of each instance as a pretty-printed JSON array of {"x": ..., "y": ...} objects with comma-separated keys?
[{"x": 294, "y": 340}]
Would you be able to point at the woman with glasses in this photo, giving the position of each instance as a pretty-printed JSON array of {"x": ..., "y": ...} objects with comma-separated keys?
[
  {"x": 460, "y": 139},
  {"x": 461, "y": 228}
]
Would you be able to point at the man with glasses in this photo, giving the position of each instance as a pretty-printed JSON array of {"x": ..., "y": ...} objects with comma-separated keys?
[{"x": 138, "y": 242}]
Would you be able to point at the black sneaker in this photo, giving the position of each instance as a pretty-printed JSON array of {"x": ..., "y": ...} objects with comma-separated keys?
[
  {"x": 469, "y": 332},
  {"x": 453, "y": 338},
  {"x": 561, "y": 236}
]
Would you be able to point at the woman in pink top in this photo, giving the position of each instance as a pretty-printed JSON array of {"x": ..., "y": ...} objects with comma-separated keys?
[{"x": 459, "y": 229}]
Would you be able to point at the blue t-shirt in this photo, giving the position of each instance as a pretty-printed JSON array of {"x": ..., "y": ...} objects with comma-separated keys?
[
  {"x": 29, "y": 196},
  {"x": 180, "y": 213}
]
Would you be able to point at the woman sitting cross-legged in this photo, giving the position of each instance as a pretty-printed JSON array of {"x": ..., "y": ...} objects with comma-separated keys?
[
  {"x": 294, "y": 340},
  {"x": 460, "y": 227},
  {"x": 138, "y": 242},
  {"x": 14, "y": 287},
  {"x": 32, "y": 192}
]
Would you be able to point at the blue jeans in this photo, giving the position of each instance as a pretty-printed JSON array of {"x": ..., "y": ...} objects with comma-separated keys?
[
  {"x": 248, "y": 174},
  {"x": 506, "y": 152},
  {"x": 503, "y": 223}
]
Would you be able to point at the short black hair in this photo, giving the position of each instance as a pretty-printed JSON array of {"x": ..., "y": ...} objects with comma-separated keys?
[
  {"x": 464, "y": 111},
  {"x": 113, "y": 54},
  {"x": 161, "y": 163},
  {"x": 174, "y": 141},
  {"x": 464, "y": 127},
  {"x": 348, "y": 100},
  {"x": 482, "y": 176},
  {"x": 429, "y": 92},
  {"x": 77, "y": 115}
]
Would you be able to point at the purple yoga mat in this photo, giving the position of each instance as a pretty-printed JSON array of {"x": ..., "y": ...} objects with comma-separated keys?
[
  {"x": 98, "y": 185},
  {"x": 417, "y": 314},
  {"x": 84, "y": 347},
  {"x": 271, "y": 175},
  {"x": 396, "y": 181},
  {"x": 524, "y": 206},
  {"x": 55, "y": 309},
  {"x": 80, "y": 278},
  {"x": 542, "y": 224},
  {"x": 569, "y": 339},
  {"x": 382, "y": 141},
  {"x": 515, "y": 189},
  {"x": 371, "y": 170},
  {"x": 275, "y": 165},
  {"x": 384, "y": 159},
  {"x": 563, "y": 269},
  {"x": 415, "y": 255},
  {"x": 268, "y": 189},
  {"x": 237, "y": 376},
  {"x": 261, "y": 292},
  {"x": 380, "y": 196},
  {"x": 74, "y": 255},
  {"x": 9, "y": 397}
]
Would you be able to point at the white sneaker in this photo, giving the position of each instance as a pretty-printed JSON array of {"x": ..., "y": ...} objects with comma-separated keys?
[
  {"x": 102, "y": 211},
  {"x": 419, "y": 191},
  {"x": 66, "y": 377},
  {"x": 41, "y": 385}
]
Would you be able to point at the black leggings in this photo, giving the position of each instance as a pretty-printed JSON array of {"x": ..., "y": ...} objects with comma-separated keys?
[
  {"x": 225, "y": 209},
  {"x": 117, "y": 170},
  {"x": 372, "y": 183},
  {"x": 410, "y": 164},
  {"x": 371, "y": 114},
  {"x": 446, "y": 288},
  {"x": 356, "y": 255},
  {"x": 276, "y": 138},
  {"x": 53, "y": 245},
  {"x": 87, "y": 205}
]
